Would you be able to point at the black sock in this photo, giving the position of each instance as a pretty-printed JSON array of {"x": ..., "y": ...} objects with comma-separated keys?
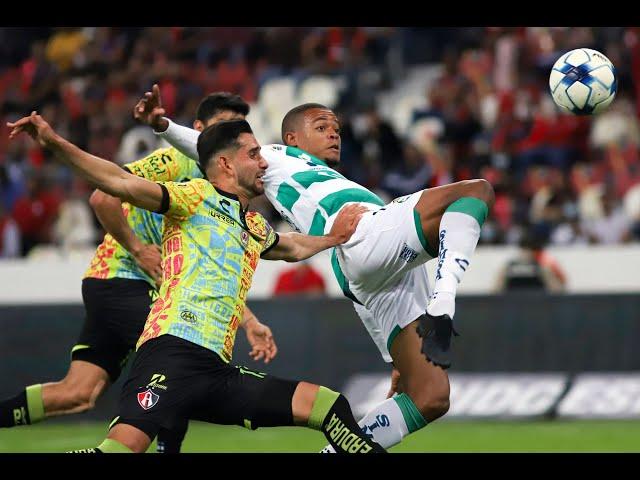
[
  {"x": 14, "y": 411},
  {"x": 170, "y": 441},
  {"x": 343, "y": 432},
  {"x": 87, "y": 450}
]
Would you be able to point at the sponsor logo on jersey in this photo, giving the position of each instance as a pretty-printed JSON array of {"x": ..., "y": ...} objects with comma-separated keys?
[
  {"x": 148, "y": 399},
  {"x": 156, "y": 380},
  {"x": 188, "y": 316},
  {"x": 401, "y": 199},
  {"x": 244, "y": 236},
  {"x": 408, "y": 254},
  {"x": 225, "y": 204},
  {"x": 222, "y": 217}
]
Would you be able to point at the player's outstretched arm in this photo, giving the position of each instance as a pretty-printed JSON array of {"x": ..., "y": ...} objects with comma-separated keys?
[
  {"x": 105, "y": 175},
  {"x": 108, "y": 209},
  {"x": 293, "y": 247},
  {"x": 149, "y": 111}
]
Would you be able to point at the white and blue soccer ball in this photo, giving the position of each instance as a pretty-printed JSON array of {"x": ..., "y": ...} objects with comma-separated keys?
[{"x": 583, "y": 81}]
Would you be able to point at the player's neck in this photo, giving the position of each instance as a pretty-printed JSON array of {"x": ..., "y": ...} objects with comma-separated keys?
[{"x": 225, "y": 187}]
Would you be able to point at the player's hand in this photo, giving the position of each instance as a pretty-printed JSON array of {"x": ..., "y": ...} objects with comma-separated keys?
[
  {"x": 149, "y": 258},
  {"x": 395, "y": 383},
  {"x": 263, "y": 346},
  {"x": 35, "y": 126},
  {"x": 346, "y": 222},
  {"x": 149, "y": 110}
]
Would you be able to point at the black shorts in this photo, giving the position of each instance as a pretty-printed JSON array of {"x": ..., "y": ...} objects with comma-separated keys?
[
  {"x": 116, "y": 311},
  {"x": 172, "y": 379}
]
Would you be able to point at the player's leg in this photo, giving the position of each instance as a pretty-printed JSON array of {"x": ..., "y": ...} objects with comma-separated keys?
[
  {"x": 392, "y": 330},
  {"x": 450, "y": 219},
  {"x": 96, "y": 360},
  {"x": 76, "y": 393},
  {"x": 116, "y": 312},
  {"x": 240, "y": 396},
  {"x": 423, "y": 394},
  {"x": 170, "y": 440},
  {"x": 122, "y": 438},
  {"x": 159, "y": 386},
  {"x": 135, "y": 296}
]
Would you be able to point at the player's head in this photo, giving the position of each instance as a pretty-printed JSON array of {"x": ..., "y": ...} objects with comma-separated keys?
[
  {"x": 229, "y": 154},
  {"x": 220, "y": 106},
  {"x": 313, "y": 128}
]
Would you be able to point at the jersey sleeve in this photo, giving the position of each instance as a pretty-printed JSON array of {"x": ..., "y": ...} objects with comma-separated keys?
[
  {"x": 271, "y": 239},
  {"x": 181, "y": 199},
  {"x": 183, "y": 138},
  {"x": 162, "y": 165},
  {"x": 260, "y": 229}
]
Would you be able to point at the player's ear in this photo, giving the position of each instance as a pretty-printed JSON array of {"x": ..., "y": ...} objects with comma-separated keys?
[
  {"x": 291, "y": 138},
  {"x": 224, "y": 163},
  {"x": 198, "y": 125}
]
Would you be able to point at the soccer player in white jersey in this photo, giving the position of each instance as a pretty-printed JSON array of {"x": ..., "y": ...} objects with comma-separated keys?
[{"x": 381, "y": 267}]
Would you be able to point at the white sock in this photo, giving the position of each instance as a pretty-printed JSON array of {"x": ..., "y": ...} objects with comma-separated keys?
[
  {"x": 389, "y": 422},
  {"x": 459, "y": 234}
]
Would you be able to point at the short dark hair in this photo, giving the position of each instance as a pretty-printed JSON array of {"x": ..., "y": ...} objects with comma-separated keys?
[
  {"x": 218, "y": 102},
  {"x": 218, "y": 137},
  {"x": 291, "y": 118}
]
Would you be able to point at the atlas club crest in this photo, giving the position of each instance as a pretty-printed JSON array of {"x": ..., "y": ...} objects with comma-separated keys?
[{"x": 147, "y": 399}]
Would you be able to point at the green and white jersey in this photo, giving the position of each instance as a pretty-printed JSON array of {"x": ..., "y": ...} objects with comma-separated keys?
[{"x": 306, "y": 192}]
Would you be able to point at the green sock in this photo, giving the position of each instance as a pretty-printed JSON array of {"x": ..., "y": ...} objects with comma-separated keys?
[
  {"x": 321, "y": 406},
  {"x": 23, "y": 409},
  {"x": 35, "y": 405},
  {"x": 110, "y": 445}
]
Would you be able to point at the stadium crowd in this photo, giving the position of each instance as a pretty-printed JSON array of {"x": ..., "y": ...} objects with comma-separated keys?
[{"x": 488, "y": 114}]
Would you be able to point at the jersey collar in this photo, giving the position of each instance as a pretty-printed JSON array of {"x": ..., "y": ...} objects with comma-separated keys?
[
  {"x": 232, "y": 196},
  {"x": 235, "y": 197}
]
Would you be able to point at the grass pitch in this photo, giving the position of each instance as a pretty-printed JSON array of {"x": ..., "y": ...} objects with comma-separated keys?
[{"x": 443, "y": 436}]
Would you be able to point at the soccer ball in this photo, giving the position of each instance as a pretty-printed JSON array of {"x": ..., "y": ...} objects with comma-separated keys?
[{"x": 583, "y": 81}]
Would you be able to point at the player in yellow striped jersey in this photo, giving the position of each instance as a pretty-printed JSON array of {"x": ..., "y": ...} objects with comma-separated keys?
[
  {"x": 118, "y": 288},
  {"x": 211, "y": 248}
]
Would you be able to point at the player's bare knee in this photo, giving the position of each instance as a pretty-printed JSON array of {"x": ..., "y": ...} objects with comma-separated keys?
[
  {"x": 432, "y": 399},
  {"x": 436, "y": 408},
  {"x": 482, "y": 189},
  {"x": 433, "y": 405}
]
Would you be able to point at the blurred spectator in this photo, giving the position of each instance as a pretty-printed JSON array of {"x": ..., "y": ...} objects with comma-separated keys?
[
  {"x": 411, "y": 175},
  {"x": 9, "y": 236},
  {"x": 532, "y": 269},
  {"x": 480, "y": 108},
  {"x": 613, "y": 226},
  {"x": 74, "y": 228},
  {"x": 301, "y": 278},
  {"x": 64, "y": 45},
  {"x": 35, "y": 213}
]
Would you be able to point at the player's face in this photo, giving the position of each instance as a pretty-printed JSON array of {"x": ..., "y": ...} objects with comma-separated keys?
[
  {"x": 320, "y": 135},
  {"x": 250, "y": 165},
  {"x": 221, "y": 116}
]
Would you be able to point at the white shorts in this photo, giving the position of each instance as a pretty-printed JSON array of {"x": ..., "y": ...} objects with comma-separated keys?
[
  {"x": 383, "y": 263},
  {"x": 395, "y": 307}
]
